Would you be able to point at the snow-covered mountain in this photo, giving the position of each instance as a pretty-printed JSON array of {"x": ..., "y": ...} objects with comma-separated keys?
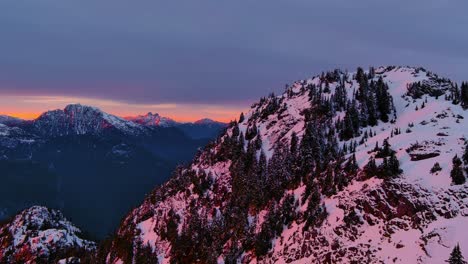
[
  {"x": 203, "y": 128},
  {"x": 79, "y": 120},
  {"x": 344, "y": 167},
  {"x": 41, "y": 235},
  {"x": 151, "y": 119}
]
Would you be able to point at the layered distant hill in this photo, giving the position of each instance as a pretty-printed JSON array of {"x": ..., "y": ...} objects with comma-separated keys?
[
  {"x": 204, "y": 128},
  {"x": 91, "y": 164}
]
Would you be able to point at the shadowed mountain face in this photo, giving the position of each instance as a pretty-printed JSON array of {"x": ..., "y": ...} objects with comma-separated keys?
[
  {"x": 203, "y": 128},
  {"x": 93, "y": 166}
]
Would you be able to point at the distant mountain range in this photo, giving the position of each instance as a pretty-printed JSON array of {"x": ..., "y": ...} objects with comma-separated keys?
[
  {"x": 80, "y": 119},
  {"x": 81, "y": 159},
  {"x": 203, "y": 128}
]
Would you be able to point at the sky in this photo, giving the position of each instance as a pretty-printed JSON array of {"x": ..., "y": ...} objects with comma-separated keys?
[{"x": 193, "y": 59}]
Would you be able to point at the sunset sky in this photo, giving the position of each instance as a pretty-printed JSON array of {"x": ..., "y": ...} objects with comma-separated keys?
[
  {"x": 30, "y": 107},
  {"x": 214, "y": 58}
]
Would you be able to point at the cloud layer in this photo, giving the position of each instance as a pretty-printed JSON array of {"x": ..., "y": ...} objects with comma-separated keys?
[{"x": 215, "y": 52}]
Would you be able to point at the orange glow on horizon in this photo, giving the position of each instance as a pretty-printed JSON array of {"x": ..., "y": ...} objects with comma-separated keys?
[
  {"x": 180, "y": 118},
  {"x": 30, "y": 107},
  {"x": 25, "y": 116}
]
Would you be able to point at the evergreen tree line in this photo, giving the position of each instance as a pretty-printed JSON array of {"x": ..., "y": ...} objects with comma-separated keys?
[
  {"x": 390, "y": 165},
  {"x": 458, "y": 172},
  {"x": 458, "y": 95},
  {"x": 258, "y": 183},
  {"x": 316, "y": 161},
  {"x": 372, "y": 102}
]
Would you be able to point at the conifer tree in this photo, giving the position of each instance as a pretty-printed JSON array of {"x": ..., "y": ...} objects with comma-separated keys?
[
  {"x": 457, "y": 172},
  {"x": 241, "y": 118},
  {"x": 363, "y": 115},
  {"x": 464, "y": 95},
  {"x": 455, "y": 94},
  {"x": 306, "y": 161},
  {"x": 345, "y": 148},
  {"x": 385, "y": 151},
  {"x": 251, "y": 132},
  {"x": 394, "y": 165},
  {"x": 465, "y": 155},
  {"x": 340, "y": 97},
  {"x": 294, "y": 144},
  {"x": 371, "y": 168},
  {"x": 261, "y": 181},
  {"x": 351, "y": 165},
  {"x": 329, "y": 187},
  {"x": 383, "y": 100},
  {"x": 456, "y": 256},
  {"x": 327, "y": 87},
  {"x": 371, "y": 72},
  {"x": 372, "y": 110},
  {"x": 279, "y": 169},
  {"x": 258, "y": 141},
  {"x": 359, "y": 74},
  {"x": 351, "y": 123},
  {"x": 361, "y": 78},
  {"x": 435, "y": 168}
]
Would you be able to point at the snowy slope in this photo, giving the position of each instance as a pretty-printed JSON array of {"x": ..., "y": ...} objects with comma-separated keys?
[
  {"x": 416, "y": 217},
  {"x": 439, "y": 127},
  {"x": 40, "y": 234}
]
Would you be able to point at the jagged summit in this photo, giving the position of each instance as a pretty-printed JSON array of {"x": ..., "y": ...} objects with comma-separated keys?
[
  {"x": 79, "y": 119},
  {"x": 154, "y": 119},
  {"x": 340, "y": 168},
  {"x": 151, "y": 119},
  {"x": 204, "y": 128},
  {"x": 41, "y": 235}
]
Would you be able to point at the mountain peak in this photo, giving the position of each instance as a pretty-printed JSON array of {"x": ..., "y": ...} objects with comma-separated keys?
[
  {"x": 340, "y": 168},
  {"x": 205, "y": 121},
  {"x": 81, "y": 119},
  {"x": 152, "y": 119},
  {"x": 79, "y": 107},
  {"x": 37, "y": 233},
  {"x": 151, "y": 114}
]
